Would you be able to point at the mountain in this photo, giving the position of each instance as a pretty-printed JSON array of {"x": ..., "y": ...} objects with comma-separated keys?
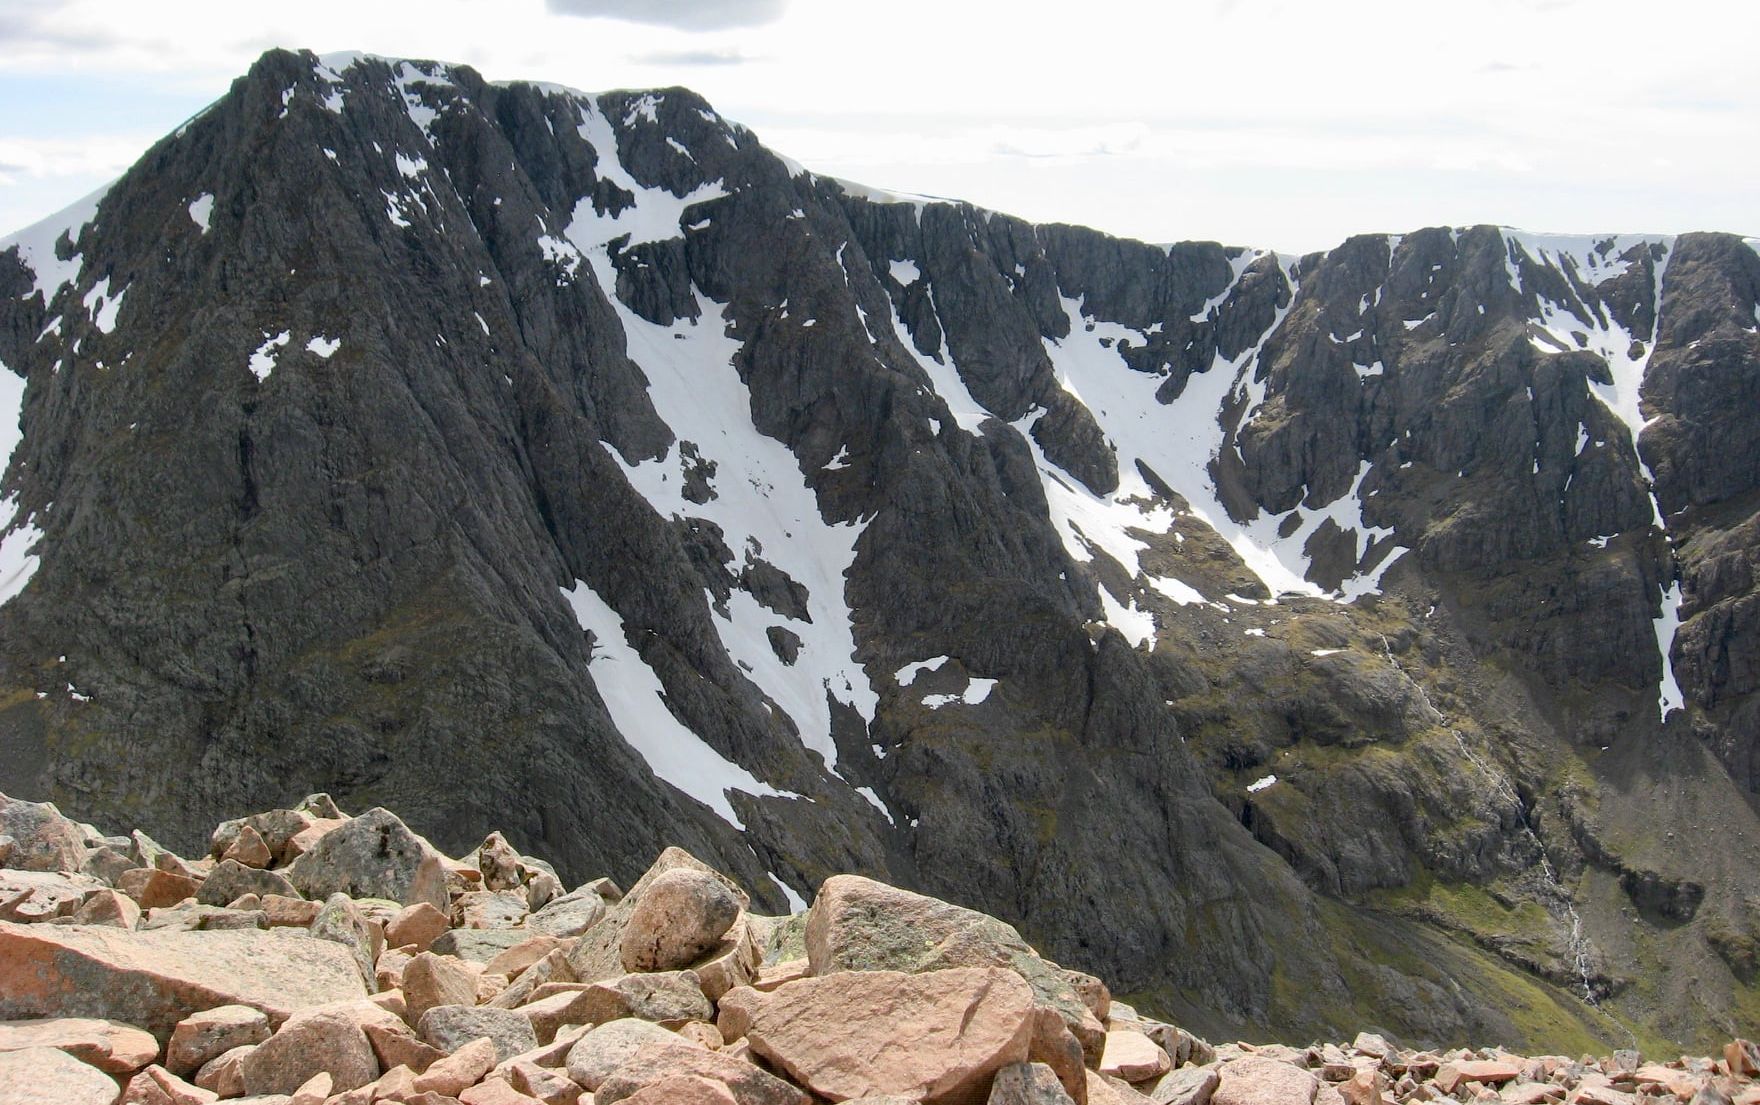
[{"x": 1358, "y": 639}]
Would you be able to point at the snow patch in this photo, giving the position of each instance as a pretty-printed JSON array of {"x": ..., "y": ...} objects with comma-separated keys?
[
  {"x": 263, "y": 360},
  {"x": 1668, "y": 621},
  {"x": 908, "y": 674},
  {"x": 102, "y": 306},
  {"x": 905, "y": 272},
  {"x": 636, "y": 700},
  {"x": 323, "y": 346},
  {"x": 201, "y": 210},
  {"x": 763, "y": 505},
  {"x": 18, "y": 539},
  {"x": 1260, "y": 784},
  {"x": 36, "y": 245}
]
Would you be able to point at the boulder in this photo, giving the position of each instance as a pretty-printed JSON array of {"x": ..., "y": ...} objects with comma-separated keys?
[
  {"x": 314, "y": 1090},
  {"x": 342, "y": 923},
  {"x": 231, "y": 880},
  {"x": 478, "y": 945},
  {"x": 42, "y": 839},
  {"x": 106, "y": 864},
  {"x": 489, "y": 909},
  {"x": 155, "y": 979},
  {"x": 547, "y": 1086},
  {"x": 289, "y": 911},
  {"x": 1133, "y": 1057},
  {"x": 655, "y": 1062},
  {"x": 112, "y": 1047},
  {"x": 25, "y": 1074},
  {"x": 1186, "y": 1086},
  {"x": 416, "y": 925},
  {"x": 374, "y": 855},
  {"x": 152, "y": 888},
  {"x": 249, "y": 849},
  {"x": 204, "y": 1036},
  {"x": 601, "y": 1051},
  {"x": 669, "y": 998},
  {"x": 683, "y": 1089},
  {"x": 108, "y": 907},
  {"x": 858, "y": 924},
  {"x": 569, "y": 915},
  {"x": 1489, "y": 1072},
  {"x": 552, "y": 968},
  {"x": 222, "y": 1075},
  {"x": 522, "y": 955},
  {"x": 682, "y": 914},
  {"x": 32, "y": 896},
  {"x": 431, "y": 980},
  {"x": 157, "y": 1086},
  {"x": 397, "y": 1046},
  {"x": 450, "y": 1027},
  {"x": 939, "y": 1035},
  {"x": 499, "y": 863},
  {"x": 466, "y": 1066},
  {"x": 1255, "y": 1080},
  {"x": 324, "y": 1040},
  {"x": 1028, "y": 1084},
  {"x": 495, "y": 1091},
  {"x": 599, "y": 954}
]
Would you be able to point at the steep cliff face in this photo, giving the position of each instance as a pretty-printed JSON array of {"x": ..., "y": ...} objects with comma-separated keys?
[{"x": 1306, "y": 626}]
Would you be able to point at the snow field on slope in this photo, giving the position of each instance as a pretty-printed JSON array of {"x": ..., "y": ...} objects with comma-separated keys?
[
  {"x": 761, "y": 502},
  {"x": 1560, "y": 324},
  {"x": 17, "y": 562},
  {"x": 637, "y": 703},
  {"x": 1177, "y": 442}
]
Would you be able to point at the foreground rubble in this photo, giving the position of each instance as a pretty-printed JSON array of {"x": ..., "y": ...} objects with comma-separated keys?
[{"x": 318, "y": 959}]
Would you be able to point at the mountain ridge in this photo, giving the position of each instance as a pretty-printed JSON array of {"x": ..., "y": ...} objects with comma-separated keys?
[{"x": 412, "y": 549}]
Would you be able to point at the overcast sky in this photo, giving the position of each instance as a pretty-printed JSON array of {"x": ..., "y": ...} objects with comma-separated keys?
[{"x": 1282, "y": 123}]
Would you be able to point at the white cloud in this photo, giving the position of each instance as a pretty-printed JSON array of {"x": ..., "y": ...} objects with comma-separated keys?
[{"x": 690, "y": 15}]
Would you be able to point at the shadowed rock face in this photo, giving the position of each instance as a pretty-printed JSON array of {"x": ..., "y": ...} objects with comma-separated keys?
[{"x": 517, "y": 458}]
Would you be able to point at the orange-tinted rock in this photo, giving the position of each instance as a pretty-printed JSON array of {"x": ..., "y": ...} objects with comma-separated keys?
[
  {"x": 600, "y": 1052},
  {"x": 203, "y": 1036},
  {"x": 549, "y": 1086},
  {"x": 22, "y": 1073},
  {"x": 155, "y": 979},
  {"x": 108, "y": 907},
  {"x": 518, "y": 958},
  {"x": 158, "y": 1086},
  {"x": 495, "y": 1091},
  {"x": 152, "y": 888},
  {"x": 681, "y": 915},
  {"x": 42, "y": 839},
  {"x": 314, "y": 1090},
  {"x": 221, "y": 1073},
  {"x": 1489, "y": 1072},
  {"x": 419, "y": 924},
  {"x": 939, "y": 1035},
  {"x": 312, "y": 1041},
  {"x": 398, "y": 1046},
  {"x": 464, "y": 1067},
  {"x": 431, "y": 980},
  {"x": 1254, "y": 1080},
  {"x": 110, "y": 1046},
  {"x": 657, "y": 1062},
  {"x": 1133, "y": 1057},
  {"x": 249, "y": 849},
  {"x": 683, "y": 1089}
]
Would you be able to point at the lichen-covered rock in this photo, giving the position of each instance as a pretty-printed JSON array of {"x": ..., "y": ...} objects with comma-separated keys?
[
  {"x": 373, "y": 855},
  {"x": 449, "y": 1027},
  {"x": 210, "y": 1033},
  {"x": 311, "y": 1042}
]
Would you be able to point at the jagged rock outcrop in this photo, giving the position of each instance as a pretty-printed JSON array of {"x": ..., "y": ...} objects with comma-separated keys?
[{"x": 513, "y": 457}]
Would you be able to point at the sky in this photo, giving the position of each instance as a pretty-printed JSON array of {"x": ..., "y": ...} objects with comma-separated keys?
[{"x": 1285, "y": 124}]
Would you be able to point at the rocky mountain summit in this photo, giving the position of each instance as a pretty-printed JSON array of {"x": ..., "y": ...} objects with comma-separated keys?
[
  {"x": 312, "y": 958},
  {"x": 1308, "y": 644}
]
